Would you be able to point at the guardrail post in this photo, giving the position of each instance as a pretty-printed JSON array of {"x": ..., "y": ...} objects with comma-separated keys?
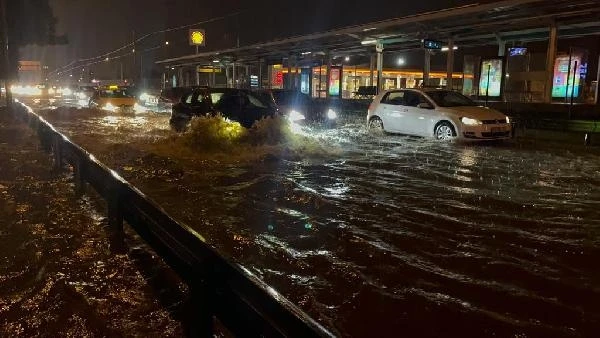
[
  {"x": 44, "y": 138},
  {"x": 57, "y": 152},
  {"x": 201, "y": 314},
  {"x": 115, "y": 216},
  {"x": 78, "y": 175}
]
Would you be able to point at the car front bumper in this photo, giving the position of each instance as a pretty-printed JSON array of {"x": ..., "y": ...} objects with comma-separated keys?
[{"x": 486, "y": 132}]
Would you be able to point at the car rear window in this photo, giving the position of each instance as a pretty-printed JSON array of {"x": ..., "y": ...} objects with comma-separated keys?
[{"x": 216, "y": 97}]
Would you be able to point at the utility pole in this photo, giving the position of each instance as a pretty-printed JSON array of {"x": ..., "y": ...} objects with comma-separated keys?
[
  {"x": 142, "y": 83},
  {"x": 6, "y": 58}
]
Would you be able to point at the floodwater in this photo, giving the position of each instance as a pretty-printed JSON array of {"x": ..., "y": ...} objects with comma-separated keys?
[
  {"x": 379, "y": 235},
  {"x": 59, "y": 273}
]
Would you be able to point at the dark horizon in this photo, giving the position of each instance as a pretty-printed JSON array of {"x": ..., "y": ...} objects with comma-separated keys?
[{"x": 96, "y": 28}]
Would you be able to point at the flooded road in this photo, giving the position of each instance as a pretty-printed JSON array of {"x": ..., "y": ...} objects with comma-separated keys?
[{"x": 383, "y": 235}]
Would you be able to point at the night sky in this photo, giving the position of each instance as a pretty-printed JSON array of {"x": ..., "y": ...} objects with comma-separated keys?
[{"x": 95, "y": 27}]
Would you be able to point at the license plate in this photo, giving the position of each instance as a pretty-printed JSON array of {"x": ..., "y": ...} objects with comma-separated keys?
[{"x": 497, "y": 129}]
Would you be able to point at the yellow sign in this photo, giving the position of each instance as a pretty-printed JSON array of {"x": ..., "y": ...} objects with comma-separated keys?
[
  {"x": 201, "y": 69},
  {"x": 197, "y": 37}
]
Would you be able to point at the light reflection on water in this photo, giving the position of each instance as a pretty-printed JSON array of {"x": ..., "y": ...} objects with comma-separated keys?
[{"x": 396, "y": 233}]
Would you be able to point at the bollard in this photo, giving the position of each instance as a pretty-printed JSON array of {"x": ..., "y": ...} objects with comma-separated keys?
[
  {"x": 587, "y": 139},
  {"x": 56, "y": 151}
]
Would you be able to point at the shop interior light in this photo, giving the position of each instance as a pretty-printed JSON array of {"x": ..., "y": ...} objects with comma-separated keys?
[
  {"x": 401, "y": 61},
  {"x": 445, "y": 49}
]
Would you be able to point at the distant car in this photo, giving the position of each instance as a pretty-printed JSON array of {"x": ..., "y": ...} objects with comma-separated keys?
[
  {"x": 300, "y": 108},
  {"x": 437, "y": 113},
  {"x": 148, "y": 97},
  {"x": 238, "y": 105},
  {"x": 84, "y": 93},
  {"x": 113, "y": 99}
]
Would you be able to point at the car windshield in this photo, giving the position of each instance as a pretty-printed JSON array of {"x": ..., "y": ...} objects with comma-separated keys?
[
  {"x": 266, "y": 97},
  {"x": 289, "y": 98},
  {"x": 446, "y": 98},
  {"x": 257, "y": 101}
]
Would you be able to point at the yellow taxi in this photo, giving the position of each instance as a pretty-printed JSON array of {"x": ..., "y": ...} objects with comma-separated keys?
[{"x": 113, "y": 99}]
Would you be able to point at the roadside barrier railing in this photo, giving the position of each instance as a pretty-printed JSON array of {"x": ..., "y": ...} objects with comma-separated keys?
[{"x": 242, "y": 302}]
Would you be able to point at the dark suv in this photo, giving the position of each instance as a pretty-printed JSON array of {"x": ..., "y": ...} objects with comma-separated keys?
[
  {"x": 300, "y": 108},
  {"x": 238, "y": 105}
]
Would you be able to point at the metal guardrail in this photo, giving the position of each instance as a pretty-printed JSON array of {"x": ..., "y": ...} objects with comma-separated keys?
[
  {"x": 579, "y": 126},
  {"x": 243, "y": 303}
]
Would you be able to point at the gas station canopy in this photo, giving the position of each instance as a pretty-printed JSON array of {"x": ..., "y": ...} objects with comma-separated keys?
[{"x": 471, "y": 25}]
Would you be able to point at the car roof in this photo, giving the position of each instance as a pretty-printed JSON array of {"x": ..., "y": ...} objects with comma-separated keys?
[{"x": 418, "y": 90}]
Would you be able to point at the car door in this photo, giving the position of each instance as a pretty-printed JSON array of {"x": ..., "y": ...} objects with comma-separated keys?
[
  {"x": 393, "y": 111},
  {"x": 200, "y": 104},
  {"x": 420, "y": 113},
  {"x": 230, "y": 105},
  {"x": 184, "y": 108}
]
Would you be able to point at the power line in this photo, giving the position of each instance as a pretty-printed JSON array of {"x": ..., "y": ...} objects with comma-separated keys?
[
  {"x": 133, "y": 43},
  {"x": 107, "y": 59}
]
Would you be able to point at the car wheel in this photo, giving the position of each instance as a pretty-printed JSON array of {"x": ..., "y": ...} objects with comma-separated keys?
[
  {"x": 376, "y": 124},
  {"x": 444, "y": 131}
]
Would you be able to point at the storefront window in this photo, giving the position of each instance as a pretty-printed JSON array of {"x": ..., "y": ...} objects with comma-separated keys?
[{"x": 355, "y": 77}]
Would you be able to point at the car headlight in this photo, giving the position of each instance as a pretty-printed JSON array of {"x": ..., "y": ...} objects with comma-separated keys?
[
  {"x": 470, "y": 122},
  {"x": 331, "y": 114},
  {"x": 110, "y": 107},
  {"x": 507, "y": 119},
  {"x": 296, "y": 116}
]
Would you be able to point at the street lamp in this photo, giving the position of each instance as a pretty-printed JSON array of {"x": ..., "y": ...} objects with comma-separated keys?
[{"x": 166, "y": 43}]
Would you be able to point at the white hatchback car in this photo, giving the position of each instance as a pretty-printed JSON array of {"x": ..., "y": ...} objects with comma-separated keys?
[{"x": 442, "y": 114}]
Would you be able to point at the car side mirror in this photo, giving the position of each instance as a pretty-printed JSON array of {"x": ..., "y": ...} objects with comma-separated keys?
[{"x": 425, "y": 105}]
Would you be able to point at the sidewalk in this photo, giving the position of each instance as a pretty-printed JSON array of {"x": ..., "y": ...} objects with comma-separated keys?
[{"x": 57, "y": 274}]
